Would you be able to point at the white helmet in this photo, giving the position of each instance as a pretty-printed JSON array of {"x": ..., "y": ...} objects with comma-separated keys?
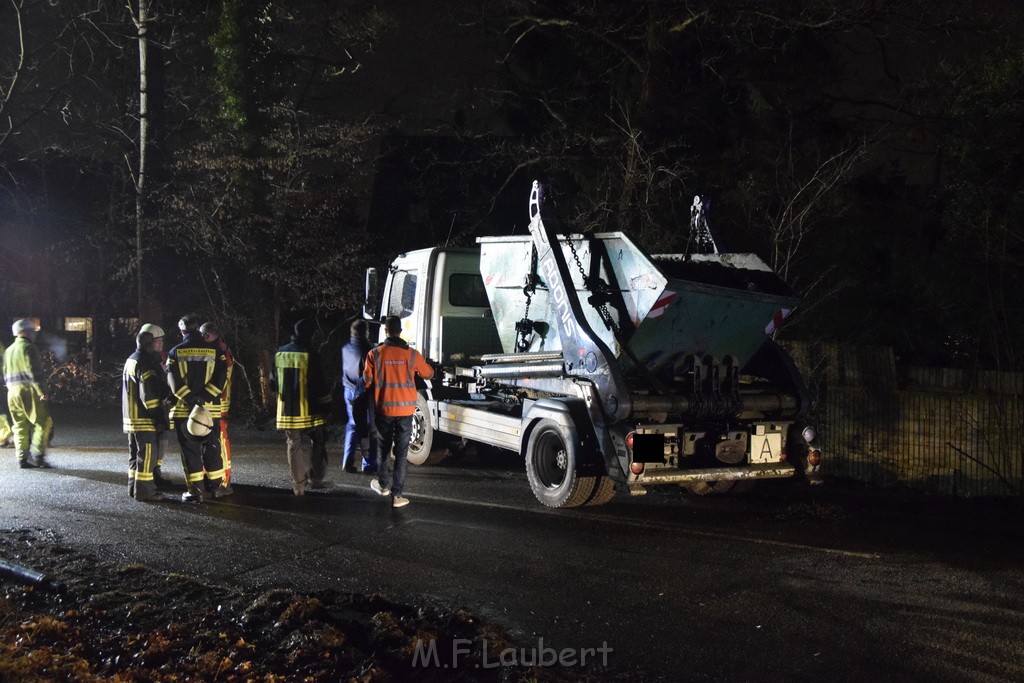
[
  {"x": 23, "y": 325},
  {"x": 200, "y": 422},
  {"x": 154, "y": 330}
]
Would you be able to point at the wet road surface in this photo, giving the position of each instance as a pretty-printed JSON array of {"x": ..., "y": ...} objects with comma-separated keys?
[{"x": 786, "y": 583}]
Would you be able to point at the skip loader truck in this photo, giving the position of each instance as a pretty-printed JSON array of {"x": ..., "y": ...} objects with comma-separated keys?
[{"x": 606, "y": 369}]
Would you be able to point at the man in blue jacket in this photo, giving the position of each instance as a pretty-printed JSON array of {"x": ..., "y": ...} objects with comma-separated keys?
[{"x": 357, "y": 403}]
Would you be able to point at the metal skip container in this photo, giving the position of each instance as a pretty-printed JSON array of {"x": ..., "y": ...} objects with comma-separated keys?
[{"x": 652, "y": 310}]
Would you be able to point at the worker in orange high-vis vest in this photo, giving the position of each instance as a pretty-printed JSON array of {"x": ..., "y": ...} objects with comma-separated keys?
[
  {"x": 211, "y": 335},
  {"x": 390, "y": 372}
]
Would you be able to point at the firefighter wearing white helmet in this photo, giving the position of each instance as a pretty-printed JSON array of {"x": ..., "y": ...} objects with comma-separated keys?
[
  {"x": 196, "y": 372},
  {"x": 143, "y": 390},
  {"x": 158, "y": 339},
  {"x": 26, "y": 396}
]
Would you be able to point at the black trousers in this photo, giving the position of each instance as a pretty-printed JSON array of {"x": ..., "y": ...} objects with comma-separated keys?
[
  {"x": 142, "y": 457},
  {"x": 201, "y": 458}
]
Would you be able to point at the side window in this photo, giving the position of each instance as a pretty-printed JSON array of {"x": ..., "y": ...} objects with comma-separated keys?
[
  {"x": 402, "y": 297},
  {"x": 467, "y": 289}
]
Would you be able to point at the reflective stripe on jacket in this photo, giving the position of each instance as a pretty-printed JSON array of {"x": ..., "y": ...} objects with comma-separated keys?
[
  {"x": 391, "y": 370},
  {"x": 196, "y": 370},
  {"x": 303, "y": 397},
  {"x": 143, "y": 386},
  {"x": 23, "y": 366}
]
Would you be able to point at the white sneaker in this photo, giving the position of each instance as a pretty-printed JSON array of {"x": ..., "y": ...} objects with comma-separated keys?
[
  {"x": 382, "y": 490},
  {"x": 399, "y": 502}
]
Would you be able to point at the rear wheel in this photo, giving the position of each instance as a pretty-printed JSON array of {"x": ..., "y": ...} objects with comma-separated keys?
[
  {"x": 551, "y": 468},
  {"x": 604, "y": 491},
  {"x": 421, "y": 443}
]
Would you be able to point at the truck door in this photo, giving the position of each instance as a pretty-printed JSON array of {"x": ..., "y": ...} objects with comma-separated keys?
[{"x": 404, "y": 295}]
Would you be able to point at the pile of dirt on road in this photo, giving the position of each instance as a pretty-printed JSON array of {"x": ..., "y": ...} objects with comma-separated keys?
[{"x": 130, "y": 623}]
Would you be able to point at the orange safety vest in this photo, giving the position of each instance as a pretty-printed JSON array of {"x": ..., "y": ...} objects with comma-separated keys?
[{"x": 391, "y": 370}]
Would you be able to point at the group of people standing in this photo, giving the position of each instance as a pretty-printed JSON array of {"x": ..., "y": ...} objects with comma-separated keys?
[
  {"x": 380, "y": 399},
  {"x": 188, "y": 391}
]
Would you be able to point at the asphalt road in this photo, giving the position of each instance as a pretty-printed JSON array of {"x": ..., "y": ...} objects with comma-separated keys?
[{"x": 787, "y": 583}]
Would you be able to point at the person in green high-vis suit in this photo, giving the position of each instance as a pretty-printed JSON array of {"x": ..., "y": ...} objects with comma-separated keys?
[
  {"x": 6, "y": 434},
  {"x": 26, "y": 396}
]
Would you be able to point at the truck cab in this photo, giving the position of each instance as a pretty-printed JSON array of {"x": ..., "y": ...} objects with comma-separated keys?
[{"x": 439, "y": 295}]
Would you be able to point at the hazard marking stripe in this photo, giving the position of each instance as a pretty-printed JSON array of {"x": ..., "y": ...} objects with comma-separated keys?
[
  {"x": 663, "y": 302},
  {"x": 776, "y": 320}
]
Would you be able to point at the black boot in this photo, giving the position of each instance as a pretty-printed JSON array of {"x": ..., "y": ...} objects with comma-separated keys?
[
  {"x": 147, "y": 493},
  {"x": 39, "y": 460},
  {"x": 159, "y": 479}
]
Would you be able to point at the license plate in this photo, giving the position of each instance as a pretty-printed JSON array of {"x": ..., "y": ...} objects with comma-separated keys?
[{"x": 765, "y": 447}]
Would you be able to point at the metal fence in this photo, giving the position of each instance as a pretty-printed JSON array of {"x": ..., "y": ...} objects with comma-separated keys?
[{"x": 943, "y": 430}]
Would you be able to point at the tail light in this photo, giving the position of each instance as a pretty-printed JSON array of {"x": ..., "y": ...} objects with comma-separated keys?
[
  {"x": 814, "y": 457},
  {"x": 629, "y": 440},
  {"x": 636, "y": 467}
]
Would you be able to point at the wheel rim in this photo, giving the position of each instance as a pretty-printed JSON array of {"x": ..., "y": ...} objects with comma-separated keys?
[
  {"x": 418, "y": 431},
  {"x": 550, "y": 460}
]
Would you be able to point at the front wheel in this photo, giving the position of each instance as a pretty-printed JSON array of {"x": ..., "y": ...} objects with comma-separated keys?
[
  {"x": 551, "y": 461},
  {"x": 421, "y": 442}
]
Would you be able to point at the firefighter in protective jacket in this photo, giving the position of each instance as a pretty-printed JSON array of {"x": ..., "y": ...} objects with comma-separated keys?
[
  {"x": 211, "y": 335},
  {"x": 143, "y": 391},
  {"x": 196, "y": 372},
  {"x": 303, "y": 401}
]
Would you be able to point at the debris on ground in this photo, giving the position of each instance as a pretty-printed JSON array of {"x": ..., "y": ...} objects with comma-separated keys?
[{"x": 132, "y": 623}]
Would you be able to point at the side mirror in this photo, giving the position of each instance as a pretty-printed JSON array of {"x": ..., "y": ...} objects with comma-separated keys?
[{"x": 371, "y": 303}]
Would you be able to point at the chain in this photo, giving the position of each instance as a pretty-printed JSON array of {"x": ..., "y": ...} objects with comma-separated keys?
[
  {"x": 531, "y": 281},
  {"x": 579, "y": 264},
  {"x": 524, "y": 328},
  {"x": 599, "y": 288}
]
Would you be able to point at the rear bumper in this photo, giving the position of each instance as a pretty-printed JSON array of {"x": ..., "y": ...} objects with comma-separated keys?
[{"x": 777, "y": 470}]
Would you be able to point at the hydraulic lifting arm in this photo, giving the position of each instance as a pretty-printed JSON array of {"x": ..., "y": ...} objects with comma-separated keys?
[{"x": 584, "y": 353}]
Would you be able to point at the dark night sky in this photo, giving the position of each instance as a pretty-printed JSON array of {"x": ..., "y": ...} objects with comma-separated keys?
[{"x": 429, "y": 64}]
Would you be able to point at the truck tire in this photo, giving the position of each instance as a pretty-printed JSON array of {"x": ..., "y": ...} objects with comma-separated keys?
[
  {"x": 604, "y": 491},
  {"x": 718, "y": 487},
  {"x": 551, "y": 468},
  {"x": 421, "y": 443}
]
